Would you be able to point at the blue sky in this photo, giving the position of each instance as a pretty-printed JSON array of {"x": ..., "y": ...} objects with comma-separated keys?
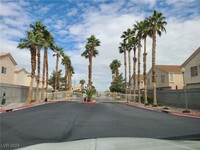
[{"x": 72, "y": 21}]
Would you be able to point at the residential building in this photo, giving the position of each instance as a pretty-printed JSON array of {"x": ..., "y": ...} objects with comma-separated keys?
[
  {"x": 7, "y": 65},
  {"x": 167, "y": 77},
  {"x": 141, "y": 82},
  {"x": 192, "y": 70},
  {"x": 22, "y": 77}
]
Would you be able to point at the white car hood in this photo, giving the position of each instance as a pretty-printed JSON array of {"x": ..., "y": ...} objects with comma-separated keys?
[{"x": 118, "y": 144}]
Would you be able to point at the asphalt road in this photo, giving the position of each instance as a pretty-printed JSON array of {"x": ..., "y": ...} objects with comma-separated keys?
[{"x": 66, "y": 121}]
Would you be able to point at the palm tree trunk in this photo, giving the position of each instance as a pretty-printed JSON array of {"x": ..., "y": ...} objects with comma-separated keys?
[
  {"x": 139, "y": 51},
  {"x": 134, "y": 72},
  {"x": 69, "y": 82},
  {"x": 153, "y": 66},
  {"x": 66, "y": 76},
  {"x": 90, "y": 69},
  {"x": 47, "y": 72},
  {"x": 129, "y": 64},
  {"x": 56, "y": 75},
  {"x": 33, "y": 67},
  {"x": 38, "y": 75},
  {"x": 144, "y": 72},
  {"x": 43, "y": 74},
  {"x": 125, "y": 74}
]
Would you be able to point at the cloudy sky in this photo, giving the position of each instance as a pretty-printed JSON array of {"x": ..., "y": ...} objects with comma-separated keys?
[{"x": 72, "y": 21}]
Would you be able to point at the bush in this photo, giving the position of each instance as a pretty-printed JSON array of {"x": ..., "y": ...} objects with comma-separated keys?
[
  {"x": 186, "y": 111},
  {"x": 160, "y": 104},
  {"x": 165, "y": 108}
]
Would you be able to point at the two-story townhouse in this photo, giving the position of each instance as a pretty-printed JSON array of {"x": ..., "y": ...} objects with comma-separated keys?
[
  {"x": 192, "y": 70},
  {"x": 7, "y": 66},
  {"x": 167, "y": 77}
]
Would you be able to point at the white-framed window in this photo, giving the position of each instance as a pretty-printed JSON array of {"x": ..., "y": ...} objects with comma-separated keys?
[
  {"x": 194, "y": 71},
  {"x": 162, "y": 78},
  {"x": 171, "y": 77},
  {"x": 3, "y": 70}
]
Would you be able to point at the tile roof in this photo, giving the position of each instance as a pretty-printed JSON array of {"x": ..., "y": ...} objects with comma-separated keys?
[
  {"x": 141, "y": 76},
  {"x": 170, "y": 68},
  {"x": 3, "y": 54},
  {"x": 17, "y": 69}
]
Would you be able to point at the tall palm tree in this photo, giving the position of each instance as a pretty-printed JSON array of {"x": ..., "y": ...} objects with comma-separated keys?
[
  {"x": 66, "y": 62},
  {"x": 122, "y": 49},
  {"x": 138, "y": 30},
  {"x": 145, "y": 33},
  {"x": 38, "y": 30},
  {"x": 134, "y": 44},
  {"x": 114, "y": 66},
  {"x": 127, "y": 35},
  {"x": 48, "y": 43},
  {"x": 70, "y": 73},
  {"x": 91, "y": 51},
  {"x": 157, "y": 26},
  {"x": 59, "y": 52},
  {"x": 82, "y": 82},
  {"x": 30, "y": 43}
]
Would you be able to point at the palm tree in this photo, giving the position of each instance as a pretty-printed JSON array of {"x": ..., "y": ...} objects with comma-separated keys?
[
  {"x": 127, "y": 36},
  {"x": 30, "y": 42},
  {"x": 157, "y": 26},
  {"x": 48, "y": 43},
  {"x": 134, "y": 44},
  {"x": 66, "y": 62},
  {"x": 138, "y": 30},
  {"x": 70, "y": 73},
  {"x": 145, "y": 33},
  {"x": 114, "y": 66},
  {"x": 122, "y": 49},
  {"x": 59, "y": 52},
  {"x": 91, "y": 51},
  {"x": 38, "y": 30},
  {"x": 82, "y": 82}
]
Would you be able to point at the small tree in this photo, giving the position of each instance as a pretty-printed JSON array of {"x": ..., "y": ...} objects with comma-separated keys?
[
  {"x": 118, "y": 85},
  {"x": 90, "y": 91}
]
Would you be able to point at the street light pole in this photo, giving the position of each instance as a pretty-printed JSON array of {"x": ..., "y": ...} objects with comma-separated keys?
[{"x": 183, "y": 71}]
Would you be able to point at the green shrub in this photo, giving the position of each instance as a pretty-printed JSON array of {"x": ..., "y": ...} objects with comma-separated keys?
[
  {"x": 160, "y": 104},
  {"x": 150, "y": 99},
  {"x": 165, "y": 108},
  {"x": 186, "y": 111}
]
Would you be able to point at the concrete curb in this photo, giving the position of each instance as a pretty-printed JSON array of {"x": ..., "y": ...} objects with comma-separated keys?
[
  {"x": 165, "y": 111},
  {"x": 25, "y": 106}
]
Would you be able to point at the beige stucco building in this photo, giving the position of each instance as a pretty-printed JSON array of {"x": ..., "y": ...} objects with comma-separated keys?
[
  {"x": 11, "y": 74},
  {"x": 22, "y": 77},
  {"x": 141, "y": 82},
  {"x": 7, "y": 65},
  {"x": 167, "y": 77},
  {"x": 192, "y": 70}
]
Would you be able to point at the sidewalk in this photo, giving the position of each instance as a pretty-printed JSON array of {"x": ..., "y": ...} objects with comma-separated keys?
[
  {"x": 171, "y": 110},
  {"x": 19, "y": 106}
]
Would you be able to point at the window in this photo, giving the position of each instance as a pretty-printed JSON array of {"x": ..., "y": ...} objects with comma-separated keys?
[
  {"x": 194, "y": 71},
  {"x": 3, "y": 70},
  {"x": 162, "y": 78},
  {"x": 171, "y": 77}
]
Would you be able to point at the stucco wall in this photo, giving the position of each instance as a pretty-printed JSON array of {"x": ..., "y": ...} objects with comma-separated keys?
[
  {"x": 7, "y": 78},
  {"x": 188, "y": 78}
]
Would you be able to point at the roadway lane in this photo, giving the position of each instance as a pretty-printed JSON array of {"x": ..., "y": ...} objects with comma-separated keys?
[{"x": 66, "y": 121}]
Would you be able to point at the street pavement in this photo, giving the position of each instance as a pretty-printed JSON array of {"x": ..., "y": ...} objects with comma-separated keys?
[{"x": 67, "y": 121}]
